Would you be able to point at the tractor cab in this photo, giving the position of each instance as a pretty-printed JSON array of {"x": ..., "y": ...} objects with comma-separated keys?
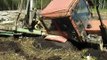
[
  {"x": 71, "y": 20},
  {"x": 68, "y": 20}
]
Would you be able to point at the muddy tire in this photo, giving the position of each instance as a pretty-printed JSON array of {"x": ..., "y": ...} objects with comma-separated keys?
[{"x": 41, "y": 43}]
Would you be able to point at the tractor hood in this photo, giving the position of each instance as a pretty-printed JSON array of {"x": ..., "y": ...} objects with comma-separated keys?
[
  {"x": 95, "y": 29},
  {"x": 59, "y": 8}
]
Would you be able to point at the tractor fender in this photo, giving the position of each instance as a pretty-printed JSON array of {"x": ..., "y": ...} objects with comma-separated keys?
[{"x": 57, "y": 38}]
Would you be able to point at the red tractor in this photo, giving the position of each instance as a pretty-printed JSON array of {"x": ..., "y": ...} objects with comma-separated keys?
[
  {"x": 69, "y": 20},
  {"x": 62, "y": 21}
]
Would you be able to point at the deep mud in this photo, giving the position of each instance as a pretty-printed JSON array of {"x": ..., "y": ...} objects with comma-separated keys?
[
  {"x": 99, "y": 55},
  {"x": 47, "y": 52},
  {"x": 6, "y": 47},
  {"x": 41, "y": 43},
  {"x": 9, "y": 46}
]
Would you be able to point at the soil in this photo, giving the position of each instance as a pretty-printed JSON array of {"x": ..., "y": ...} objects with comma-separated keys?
[
  {"x": 25, "y": 46},
  {"x": 24, "y": 49}
]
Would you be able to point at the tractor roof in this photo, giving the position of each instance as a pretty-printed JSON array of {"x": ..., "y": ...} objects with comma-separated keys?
[{"x": 59, "y": 8}]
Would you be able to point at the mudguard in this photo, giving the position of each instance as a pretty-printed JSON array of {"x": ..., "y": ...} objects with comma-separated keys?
[
  {"x": 56, "y": 38},
  {"x": 95, "y": 29}
]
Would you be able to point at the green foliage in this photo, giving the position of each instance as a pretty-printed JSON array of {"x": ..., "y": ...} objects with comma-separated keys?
[
  {"x": 8, "y": 4},
  {"x": 14, "y": 4},
  {"x": 103, "y": 3},
  {"x": 42, "y": 5}
]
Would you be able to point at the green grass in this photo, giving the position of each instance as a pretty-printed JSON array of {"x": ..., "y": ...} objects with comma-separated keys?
[{"x": 101, "y": 10}]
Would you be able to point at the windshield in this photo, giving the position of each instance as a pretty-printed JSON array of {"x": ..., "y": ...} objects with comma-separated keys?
[
  {"x": 81, "y": 14},
  {"x": 81, "y": 11}
]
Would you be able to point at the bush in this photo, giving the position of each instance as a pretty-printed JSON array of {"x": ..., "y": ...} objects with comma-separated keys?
[{"x": 13, "y": 4}]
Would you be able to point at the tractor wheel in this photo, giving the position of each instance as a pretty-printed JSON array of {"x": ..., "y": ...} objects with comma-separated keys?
[{"x": 41, "y": 43}]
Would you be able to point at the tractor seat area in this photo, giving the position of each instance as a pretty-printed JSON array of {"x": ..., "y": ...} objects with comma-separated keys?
[{"x": 94, "y": 26}]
